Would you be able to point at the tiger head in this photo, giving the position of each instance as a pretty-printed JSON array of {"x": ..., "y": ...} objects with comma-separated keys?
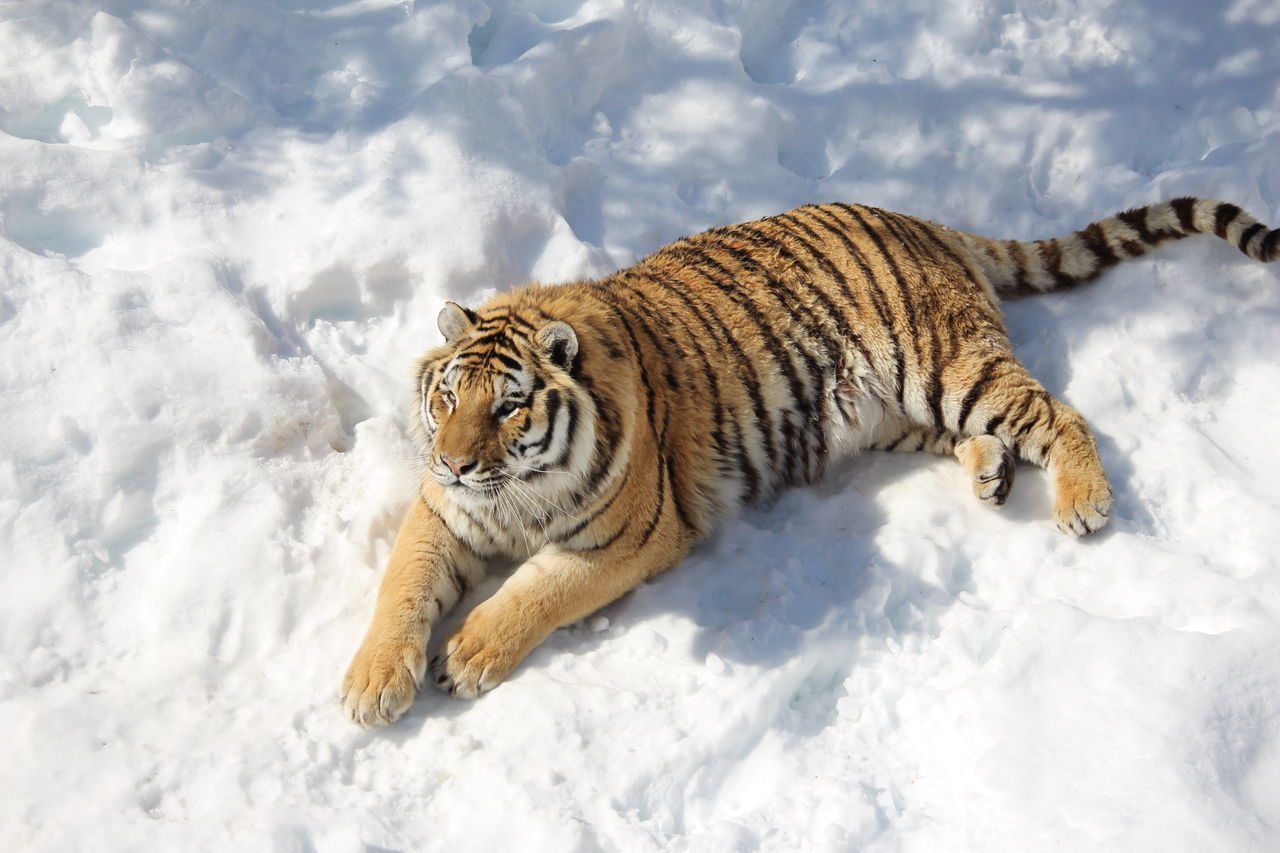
[{"x": 497, "y": 406}]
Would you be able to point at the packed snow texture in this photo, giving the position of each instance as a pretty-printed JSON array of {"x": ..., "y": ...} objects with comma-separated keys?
[{"x": 226, "y": 229}]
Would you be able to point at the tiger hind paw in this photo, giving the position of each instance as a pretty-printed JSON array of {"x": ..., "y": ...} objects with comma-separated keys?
[{"x": 991, "y": 465}]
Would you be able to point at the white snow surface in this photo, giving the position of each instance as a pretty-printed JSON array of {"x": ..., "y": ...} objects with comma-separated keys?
[{"x": 226, "y": 228}]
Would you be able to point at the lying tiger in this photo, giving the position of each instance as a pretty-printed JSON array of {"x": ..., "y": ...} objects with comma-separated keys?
[{"x": 597, "y": 430}]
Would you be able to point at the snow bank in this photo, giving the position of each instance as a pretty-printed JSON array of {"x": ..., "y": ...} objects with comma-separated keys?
[{"x": 225, "y": 231}]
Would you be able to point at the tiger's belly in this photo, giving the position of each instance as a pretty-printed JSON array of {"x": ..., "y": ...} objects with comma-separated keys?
[
  {"x": 853, "y": 402},
  {"x": 848, "y": 408},
  {"x": 852, "y": 425}
]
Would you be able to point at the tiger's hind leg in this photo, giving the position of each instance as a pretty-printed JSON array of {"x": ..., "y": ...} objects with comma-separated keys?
[
  {"x": 1006, "y": 403},
  {"x": 986, "y": 458}
]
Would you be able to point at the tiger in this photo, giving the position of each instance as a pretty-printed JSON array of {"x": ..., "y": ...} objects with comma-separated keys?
[{"x": 594, "y": 431}]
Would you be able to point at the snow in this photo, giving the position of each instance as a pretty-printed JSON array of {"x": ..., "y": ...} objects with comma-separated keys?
[{"x": 226, "y": 229}]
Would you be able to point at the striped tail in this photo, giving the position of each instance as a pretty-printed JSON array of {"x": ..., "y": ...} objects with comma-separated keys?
[{"x": 1022, "y": 268}]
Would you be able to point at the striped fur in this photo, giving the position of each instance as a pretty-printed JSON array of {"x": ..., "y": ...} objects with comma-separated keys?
[{"x": 597, "y": 430}]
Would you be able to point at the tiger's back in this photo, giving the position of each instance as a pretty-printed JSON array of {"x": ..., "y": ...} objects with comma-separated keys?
[{"x": 596, "y": 430}]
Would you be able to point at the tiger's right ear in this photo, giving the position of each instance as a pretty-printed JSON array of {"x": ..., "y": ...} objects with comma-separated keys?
[{"x": 454, "y": 320}]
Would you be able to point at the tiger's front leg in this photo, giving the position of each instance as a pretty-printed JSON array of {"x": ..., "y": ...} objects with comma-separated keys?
[
  {"x": 554, "y": 587},
  {"x": 426, "y": 575}
]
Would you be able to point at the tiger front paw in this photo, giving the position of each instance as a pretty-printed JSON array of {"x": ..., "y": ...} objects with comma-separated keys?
[
  {"x": 381, "y": 682},
  {"x": 1082, "y": 507},
  {"x": 478, "y": 656}
]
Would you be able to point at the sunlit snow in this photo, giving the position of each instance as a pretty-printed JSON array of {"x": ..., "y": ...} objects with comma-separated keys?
[{"x": 226, "y": 228}]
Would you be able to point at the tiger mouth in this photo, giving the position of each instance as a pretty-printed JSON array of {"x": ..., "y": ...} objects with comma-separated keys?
[{"x": 488, "y": 487}]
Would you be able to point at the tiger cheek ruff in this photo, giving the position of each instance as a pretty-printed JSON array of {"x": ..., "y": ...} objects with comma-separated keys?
[{"x": 597, "y": 430}]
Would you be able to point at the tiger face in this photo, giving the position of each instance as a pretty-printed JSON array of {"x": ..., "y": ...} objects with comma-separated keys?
[
  {"x": 499, "y": 411},
  {"x": 481, "y": 415}
]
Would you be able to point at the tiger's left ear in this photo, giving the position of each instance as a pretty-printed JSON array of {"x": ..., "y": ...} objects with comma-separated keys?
[
  {"x": 559, "y": 343},
  {"x": 454, "y": 320}
]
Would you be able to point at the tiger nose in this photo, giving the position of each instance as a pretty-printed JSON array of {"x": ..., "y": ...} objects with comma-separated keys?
[{"x": 458, "y": 466}]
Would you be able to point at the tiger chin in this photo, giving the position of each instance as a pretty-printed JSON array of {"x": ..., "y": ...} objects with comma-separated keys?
[{"x": 596, "y": 430}]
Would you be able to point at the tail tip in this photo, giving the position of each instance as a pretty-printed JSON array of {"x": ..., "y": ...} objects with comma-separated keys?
[{"x": 1270, "y": 250}]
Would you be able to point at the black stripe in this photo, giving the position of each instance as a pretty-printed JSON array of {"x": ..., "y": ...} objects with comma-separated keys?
[
  {"x": 482, "y": 359},
  {"x": 792, "y": 289},
  {"x": 458, "y": 579},
  {"x": 608, "y": 437},
  {"x": 811, "y": 283},
  {"x": 602, "y": 544},
  {"x": 1224, "y": 216},
  {"x": 1022, "y": 286},
  {"x": 570, "y": 433},
  {"x": 1021, "y": 282},
  {"x": 893, "y": 445},
  {"x": 1051, "y": 252},
  {"x": 1136, "y": 218},
  {"x": 698, "y": 258},
  {"x": 1023, "y": 409},
  {"x": 505, "y": 317},
  {"x": 992, "y": 425},
  {"x": 1270, "y": 247},
  {"x": 975, "y": 391},
  {"x": 933, "y": 394},
  {"x": 788, "y": 302},
  {"x": 720, "y": 414},
  {"x": 878, "y": 299},
  {"x": 467, "y": 541},
  {"x": 1028, "y": 426},
  {"x": 677, "y": 494},
  {"x": 655, "y": 327},
  {"x": 746, "y": 374},
  {"x": 462, "y": 540},
  {"x": 553, "y": 409},
  {"x": 1248, "y": 235},
  {"x": 508, "y": 362},
  {"x": 971, "y": 322},
  {"x": 880, "y": 296},
  {"x": 425, "y": 377},
  {"x": 635, "y": 321},
  {"x": 903, "y": 293},
  {"x": 1096, "y": 239},
  {"x": 621, "y": 482},
  {"x": 659, "y": 430},
  {"x": 661, "y": 504},
  {"x": 1185, "y": 208},
  {"x": 501, "y": 336},
  {"x": 924, "y": 230},
  {"x": 1028, "y": 410}
]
